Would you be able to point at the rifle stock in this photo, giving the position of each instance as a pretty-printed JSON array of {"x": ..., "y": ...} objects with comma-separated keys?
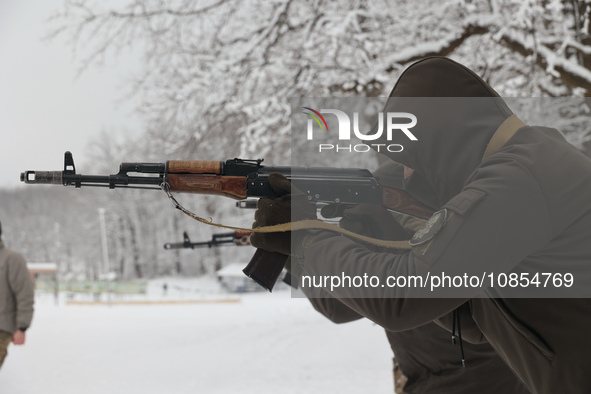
[{"x": 400, "y": 201}]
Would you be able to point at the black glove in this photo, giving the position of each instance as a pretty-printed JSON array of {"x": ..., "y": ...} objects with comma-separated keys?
[{"x": 290, "y": 206}]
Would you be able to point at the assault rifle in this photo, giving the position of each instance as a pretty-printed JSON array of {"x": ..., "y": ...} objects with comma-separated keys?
[
  {"x": 331, "y": 189},
  {"x": 239, "y": 238}
]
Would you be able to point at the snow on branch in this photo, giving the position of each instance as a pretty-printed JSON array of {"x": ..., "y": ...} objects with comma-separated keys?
[
  {"x": 584, "y": 49},
  {"x": 555, "y": 64},
  {"x": 166, "y": 11},
  {"x": 441, "y": 47}
]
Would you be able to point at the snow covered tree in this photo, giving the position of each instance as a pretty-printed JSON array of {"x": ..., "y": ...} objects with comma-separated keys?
[{"x": 223, "y": 70}]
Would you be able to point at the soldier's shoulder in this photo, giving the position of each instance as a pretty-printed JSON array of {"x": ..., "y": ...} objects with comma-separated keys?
[{"x": 11, "y": 256}]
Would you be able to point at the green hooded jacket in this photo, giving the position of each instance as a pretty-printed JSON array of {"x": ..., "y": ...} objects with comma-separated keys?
[{"x": 526, "y": 208}]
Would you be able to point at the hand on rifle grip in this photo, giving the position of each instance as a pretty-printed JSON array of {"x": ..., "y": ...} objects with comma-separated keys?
[
  {"x": 274, "y": 248},
  {"x": 291, "y": 205}
]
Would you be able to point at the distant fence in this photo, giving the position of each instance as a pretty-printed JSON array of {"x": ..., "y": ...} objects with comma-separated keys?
[{"x": 115, "y": 287}]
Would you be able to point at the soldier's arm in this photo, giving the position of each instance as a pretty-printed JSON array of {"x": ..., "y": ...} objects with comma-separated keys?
[
  {"x": 334, "y": 310},
  {"x": 23, "y": 289},
  {"x": 499, "y": 219}
]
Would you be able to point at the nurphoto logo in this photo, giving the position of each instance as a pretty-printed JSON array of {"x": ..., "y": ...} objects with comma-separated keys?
[{"x": 392, "y": 120}]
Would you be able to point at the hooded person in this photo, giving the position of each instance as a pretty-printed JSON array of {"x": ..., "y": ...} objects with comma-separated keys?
[
  {"x": 424, "y": 359},
  {"x": 523, "y": 208}
]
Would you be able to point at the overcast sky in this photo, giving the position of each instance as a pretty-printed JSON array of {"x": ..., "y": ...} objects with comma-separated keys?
[{"x": 44, "y": 109}]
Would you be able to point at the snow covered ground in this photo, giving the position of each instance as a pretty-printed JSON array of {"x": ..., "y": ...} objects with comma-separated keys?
[{"x": 257, "y": 343}]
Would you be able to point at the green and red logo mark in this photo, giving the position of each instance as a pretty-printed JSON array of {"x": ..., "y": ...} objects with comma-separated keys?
[{"x": 318, "y": 115}]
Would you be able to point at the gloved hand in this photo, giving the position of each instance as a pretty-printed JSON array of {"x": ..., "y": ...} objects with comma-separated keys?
[
  {"x": 290, "y": 206},
  {"x": 374, "y": 221}
]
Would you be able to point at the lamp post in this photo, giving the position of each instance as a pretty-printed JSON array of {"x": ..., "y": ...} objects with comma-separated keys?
[{"x": 107, "y": 266}]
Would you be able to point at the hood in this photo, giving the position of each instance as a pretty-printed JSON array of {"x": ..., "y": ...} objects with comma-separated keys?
[{"x": 457, "y": 114}]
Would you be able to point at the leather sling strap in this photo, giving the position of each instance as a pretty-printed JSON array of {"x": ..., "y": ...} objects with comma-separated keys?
[{"x": 503, "y": 134}]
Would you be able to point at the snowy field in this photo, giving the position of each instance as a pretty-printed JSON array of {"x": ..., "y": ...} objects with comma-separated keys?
[{"x": 255, "y": 343}]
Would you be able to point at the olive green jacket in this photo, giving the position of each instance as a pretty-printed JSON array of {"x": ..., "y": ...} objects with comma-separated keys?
[
  {"x": 426, "y": 355},
  {"x": 524, "y": 209},
  {"x": 431, "y": 363},
  {"x": 17, "y": 291}
]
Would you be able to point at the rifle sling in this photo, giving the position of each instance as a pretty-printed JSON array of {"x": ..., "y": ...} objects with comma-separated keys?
[
  {"x": 503, "y": 134},
  {"x": 505, "y": 131}
]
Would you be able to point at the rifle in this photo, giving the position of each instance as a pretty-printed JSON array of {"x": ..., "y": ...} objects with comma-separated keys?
[
  {"x": 331, "y": 189},
  {"x": 239, "y": 238}
]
